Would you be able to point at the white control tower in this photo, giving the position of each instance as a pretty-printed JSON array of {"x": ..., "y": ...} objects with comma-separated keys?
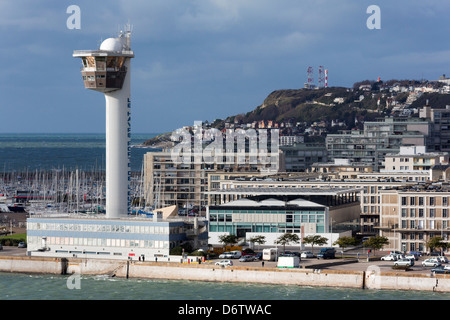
[{"x": 107, "y": 70}]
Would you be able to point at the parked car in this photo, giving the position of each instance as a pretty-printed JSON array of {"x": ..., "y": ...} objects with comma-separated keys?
[
  {"x": 431, "y": 263},
  {"x": 326, "y": 253},
  {"x": 225, "y": 255},
  {"x": 417, "y": 253},
  {"x": 224, "y": 263},
  {"x": 442, "y": 259},
  {"x": 1, "y": 247},
  {"x": 389, "y": 257},
  {"x": 292, "y": 253},
  {"x": 412, "y": 256},
  {"x": 441, "y": 269},
  {"x": 258, "y": 256},
  {"x": 404, "y": 262},
  {"x": 307, "y": 254},
  {"x": 247, "y": 258},
  {"x": 230, "y": 255},
  {"x": 22, "y": 245}
]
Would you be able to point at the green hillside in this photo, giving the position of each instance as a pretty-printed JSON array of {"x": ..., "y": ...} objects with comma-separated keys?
[{"x": 366, "y": 101}]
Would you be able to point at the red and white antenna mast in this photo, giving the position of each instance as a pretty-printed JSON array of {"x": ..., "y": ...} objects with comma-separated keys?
[{"x": 310, "y": 78}]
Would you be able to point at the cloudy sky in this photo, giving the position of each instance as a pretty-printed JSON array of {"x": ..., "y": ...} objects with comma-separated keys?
[{"x": 205, "y": 59}]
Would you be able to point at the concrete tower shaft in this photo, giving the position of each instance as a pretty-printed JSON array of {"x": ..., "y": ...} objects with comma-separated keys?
[{"x": 107, "y": 70}]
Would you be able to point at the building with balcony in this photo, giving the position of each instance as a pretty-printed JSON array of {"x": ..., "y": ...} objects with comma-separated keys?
[
  {"x": 414, "y": 159},
  {"x": 378, "y": 139},
  {"x": 410, "y": 216}
]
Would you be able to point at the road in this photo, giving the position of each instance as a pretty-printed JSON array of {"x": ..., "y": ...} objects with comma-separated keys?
[{"x": 362, "y": 265}]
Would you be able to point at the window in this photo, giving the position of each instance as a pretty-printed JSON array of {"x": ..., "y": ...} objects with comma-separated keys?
[
  {"x": 404, "y": 212},
  {"x": 420, "y": 201},
  {"x": 432, "y": 213},
  {"x": 404, "y": 201},
  {"x": 432, "y": 201}
]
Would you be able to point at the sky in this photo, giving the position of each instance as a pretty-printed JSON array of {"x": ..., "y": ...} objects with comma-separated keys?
[{"x": 206, "y": 59}]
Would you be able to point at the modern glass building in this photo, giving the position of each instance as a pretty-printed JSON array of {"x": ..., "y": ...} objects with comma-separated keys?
[
  {"x": 268, "y": 216},
  {"x": 271, "y": 212},
  {"x": 90, "y": 237}
]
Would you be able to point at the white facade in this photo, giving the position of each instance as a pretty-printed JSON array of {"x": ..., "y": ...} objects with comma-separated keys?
[
  {"x": 118, "y": 131},
  {"x": 88, "y": 237}
]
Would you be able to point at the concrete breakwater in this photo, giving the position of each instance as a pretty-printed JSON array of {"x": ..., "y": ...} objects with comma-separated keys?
[{"x": 369, "y": 279}]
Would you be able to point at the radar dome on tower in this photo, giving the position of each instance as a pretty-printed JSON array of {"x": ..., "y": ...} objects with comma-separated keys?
[{"x": 113, "y": 44}]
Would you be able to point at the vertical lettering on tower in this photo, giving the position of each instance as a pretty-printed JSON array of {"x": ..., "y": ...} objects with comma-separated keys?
[{"x": 129, "y": 152}]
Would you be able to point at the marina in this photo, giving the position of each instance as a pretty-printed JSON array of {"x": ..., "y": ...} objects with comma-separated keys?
[{"x": 31, "y": 181}]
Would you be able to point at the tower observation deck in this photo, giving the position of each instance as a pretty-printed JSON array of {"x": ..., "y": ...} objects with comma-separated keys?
[
  {"x": 107, "y": 70},
  {"x": 104, "y": 70}
]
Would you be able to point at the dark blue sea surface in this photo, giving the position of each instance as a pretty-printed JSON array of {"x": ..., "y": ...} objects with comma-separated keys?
[{"x": 30, "y": 152}]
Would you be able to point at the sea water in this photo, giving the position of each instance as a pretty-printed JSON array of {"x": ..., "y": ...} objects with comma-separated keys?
[
  {"x": 30, "y": 152},
  {"x": 57, "y": 287}
]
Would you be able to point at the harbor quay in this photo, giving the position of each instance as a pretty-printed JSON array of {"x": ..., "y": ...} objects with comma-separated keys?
[{"x": 338, "y": 273}]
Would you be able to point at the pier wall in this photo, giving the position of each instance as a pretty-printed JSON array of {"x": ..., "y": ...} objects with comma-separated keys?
[{"x": 370, "y": 279}]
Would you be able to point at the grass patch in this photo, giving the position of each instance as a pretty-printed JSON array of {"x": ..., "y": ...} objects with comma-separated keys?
[{"x": 13, "y": 240}]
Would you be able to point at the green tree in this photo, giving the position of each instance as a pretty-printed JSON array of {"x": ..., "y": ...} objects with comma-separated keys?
[
  {"x": 315, "y": 240},
  {"x": 376, "y": 243},
  {"x": 286, "y": 239},
  {"x": 436, "y": 242},
  {"x": 344, "y": 242},
  {"x": 258, "y": 239},
  {"x": 228, "y": 239}
]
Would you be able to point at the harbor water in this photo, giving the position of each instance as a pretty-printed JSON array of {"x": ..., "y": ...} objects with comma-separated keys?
[{"x": 56, "y": 287}]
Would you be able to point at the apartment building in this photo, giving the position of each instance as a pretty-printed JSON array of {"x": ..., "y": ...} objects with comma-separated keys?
[
  {"x": 410, "y": 216},
  {"x": 440, "y": 129},
  {"x": 299, "y": 157},
  {"x": 414, "y": 158},
  {"x": 378, "y": 139},
  {"x": 167, "y": 183},
  {"x": 342, "y": 168}
]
